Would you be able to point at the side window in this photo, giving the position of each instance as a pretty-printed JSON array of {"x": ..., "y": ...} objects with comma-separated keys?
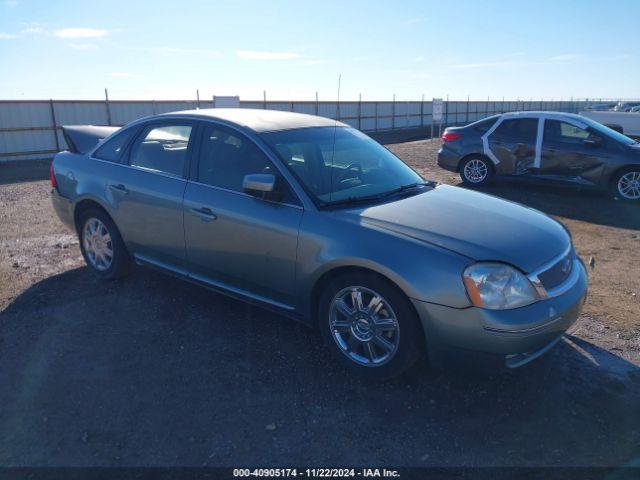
[
  {"x": 226, "y": 157},
  {"x": 162, "y": 149},
  {"x": 481, "y": 126},
  {"x": 520, "y": 129},
  {"x": 555, "y": 130},
  {"x": 113, "y": 148}
]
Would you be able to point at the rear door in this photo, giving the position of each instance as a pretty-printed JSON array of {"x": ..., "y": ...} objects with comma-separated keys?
[
  {"x": 233, "y": 239},
  {"x": 149, "y": 193},
  {"x": 513, "y": 143},
  {"x": 565, "y": 152}
]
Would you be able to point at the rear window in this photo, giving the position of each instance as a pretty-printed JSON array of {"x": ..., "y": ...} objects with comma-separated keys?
[
  {"x": 482, "y": 126},
  {"x": 112, "y": 149}
]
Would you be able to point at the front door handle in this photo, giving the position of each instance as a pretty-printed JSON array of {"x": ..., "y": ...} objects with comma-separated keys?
[
  {"x": 119, "y": 188},
  {"x": 204, "y": 213}
]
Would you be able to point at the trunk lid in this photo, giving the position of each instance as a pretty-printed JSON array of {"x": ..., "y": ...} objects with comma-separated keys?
[{"x": 82, "y": 138}]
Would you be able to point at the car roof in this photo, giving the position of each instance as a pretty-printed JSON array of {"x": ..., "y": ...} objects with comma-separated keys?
[
  {"x": 535, "y": 113},
  {"x": 259, "y": 120},
  {"x": 572, "y": 118}
]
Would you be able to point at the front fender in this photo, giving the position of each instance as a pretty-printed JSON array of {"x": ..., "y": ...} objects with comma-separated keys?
[{"x": 422, "y": 271}]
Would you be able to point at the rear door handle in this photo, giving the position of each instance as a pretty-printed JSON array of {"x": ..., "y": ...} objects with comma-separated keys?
[
  {"x": 204, "y": 213},
  {"x": 119, "y": 188}
]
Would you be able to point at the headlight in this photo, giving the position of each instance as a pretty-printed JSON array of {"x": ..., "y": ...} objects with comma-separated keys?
[{"x": 497, "y": 286}]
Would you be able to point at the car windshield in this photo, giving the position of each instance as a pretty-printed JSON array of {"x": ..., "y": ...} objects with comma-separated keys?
[
  {"x": 358, "y": 168},
  {"x": 609, "y": 132}
]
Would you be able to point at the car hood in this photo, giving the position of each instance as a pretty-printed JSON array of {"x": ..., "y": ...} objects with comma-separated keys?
[{"x": 478, "y": 226}]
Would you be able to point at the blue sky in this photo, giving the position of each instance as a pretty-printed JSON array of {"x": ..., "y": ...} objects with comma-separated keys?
[{"x": 168, "y": 49}]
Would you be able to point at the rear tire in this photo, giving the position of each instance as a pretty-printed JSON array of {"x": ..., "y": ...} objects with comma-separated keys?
[
  {"x": 625, "y": 184},
  {"x": 102, "y": 246},
  {"x": 476, "y": 170},
  {"x": 377, "y": 337}
]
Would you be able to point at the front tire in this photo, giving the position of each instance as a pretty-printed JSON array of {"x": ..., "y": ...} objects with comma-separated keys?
[
  {"x": 625, "y": 185},
  {"x": 476, "y": 171},
  {"x": 102, "y": 246},
  {"x": 370, "y": 326}
]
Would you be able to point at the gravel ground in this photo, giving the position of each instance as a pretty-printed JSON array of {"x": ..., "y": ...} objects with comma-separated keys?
[{"x": 154, "y": 371}]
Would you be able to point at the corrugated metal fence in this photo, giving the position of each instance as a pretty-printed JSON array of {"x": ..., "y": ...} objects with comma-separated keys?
[{"x": 31, "y": 129}]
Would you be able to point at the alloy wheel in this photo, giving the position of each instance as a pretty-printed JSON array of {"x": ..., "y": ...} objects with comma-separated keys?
[
  {"x": 97, "y": 244},
  {"x": 629, "y": 185},
  {"x": 475, "y": 171},
  {"x": 364, "y": 326}
]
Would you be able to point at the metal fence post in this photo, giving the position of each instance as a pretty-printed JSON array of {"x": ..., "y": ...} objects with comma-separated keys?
[
  {"x": 55, "y": 125},
  {"x": 431, "y": 137},
  {"x": 446, "y": 114},
  {"x": 376, "y": 125},
  {"x": 198, "y": 99},
  {"x": 422, "y": 112},
  {"x": 108, "y": 106},
  {"x": 317, "y": 109},
  {"x": 264, "y": 99},
  {"x": 467, "y": 118},
  {"x": 393, "y": 113},
  {"x": 359, "y": 111}
]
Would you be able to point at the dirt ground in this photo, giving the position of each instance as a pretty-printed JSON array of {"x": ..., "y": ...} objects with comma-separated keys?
[{"x": 150, "y": 370}]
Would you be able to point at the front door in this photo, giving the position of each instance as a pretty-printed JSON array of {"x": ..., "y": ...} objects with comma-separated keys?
[
  {"x": 149, "y": 193},
  {"x": 566, "y": 153},
  {"x": 513, "y": 143},
  {"x": 235, "y": 240}
]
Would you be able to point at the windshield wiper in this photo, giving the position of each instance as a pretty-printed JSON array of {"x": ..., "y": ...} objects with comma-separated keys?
[{"x": 378, "y": 196}]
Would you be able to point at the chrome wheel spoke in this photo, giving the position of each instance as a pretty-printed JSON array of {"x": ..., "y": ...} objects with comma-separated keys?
[
  {"x": 370, "y": 352},
  {"x": 375, "y": 305},
  {"x": 341, "y": 324},
  {"x": 97, "y": 244},
  {"x": 383, "y": 343},
  {"x": 356, "y": 299},
  {"x": 385, "y": 324},
  {"x": 364, "y": 326},
  {"x": 343, "y": 308}
]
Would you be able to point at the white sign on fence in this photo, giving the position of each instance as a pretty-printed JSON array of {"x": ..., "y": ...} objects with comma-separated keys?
[
  {"x": 437, "y": 109},
  {"x": 226, "y": 102}
]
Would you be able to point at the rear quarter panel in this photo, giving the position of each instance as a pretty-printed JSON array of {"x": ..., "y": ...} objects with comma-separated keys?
[{"x": 81, "y": 178}]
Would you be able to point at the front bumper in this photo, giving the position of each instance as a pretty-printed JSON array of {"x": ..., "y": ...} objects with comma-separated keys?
[
  {"x": 63, "y": 208},
  {"x": 519, "y": 335}
]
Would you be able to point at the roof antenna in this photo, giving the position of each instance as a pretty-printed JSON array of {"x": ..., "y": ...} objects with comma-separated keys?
[{"x": 335, "y": 128}]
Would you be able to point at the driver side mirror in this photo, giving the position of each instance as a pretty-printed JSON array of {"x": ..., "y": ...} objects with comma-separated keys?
[
  {"x": 261, "y": 185},
  {"x": 593, "y": 140}
]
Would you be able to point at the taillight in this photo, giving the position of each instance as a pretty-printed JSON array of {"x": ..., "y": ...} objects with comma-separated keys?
[
  {"x": 52, "y": 177},
  {"x": 450, "y": 136}
]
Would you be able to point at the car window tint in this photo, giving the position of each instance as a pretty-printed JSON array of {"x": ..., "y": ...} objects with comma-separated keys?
[
  {"x": 226, "y": 157},
  {"x": 162, "y": 149},
  {"x": 334, "y": 164},
  {"x": 558, "y": 131},
  {"x": 113, "y": 148},
  {"x": 482, "y": 126},
  {"x": 520, "y": 129}
]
